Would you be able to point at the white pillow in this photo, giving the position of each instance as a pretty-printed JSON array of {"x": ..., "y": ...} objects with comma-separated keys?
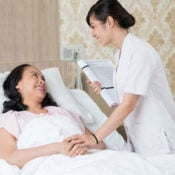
[
  {"x": 2, "y": 97},
  {"x": 58, "y": 90},
  {"x": 62, "y": 95}
]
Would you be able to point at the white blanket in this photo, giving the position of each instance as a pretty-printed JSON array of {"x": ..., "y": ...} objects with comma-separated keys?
[{"x": 107, "y": 162}]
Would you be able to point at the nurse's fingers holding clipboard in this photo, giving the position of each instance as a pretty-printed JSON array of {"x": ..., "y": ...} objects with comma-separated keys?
[{"x": 95, "y": 85}]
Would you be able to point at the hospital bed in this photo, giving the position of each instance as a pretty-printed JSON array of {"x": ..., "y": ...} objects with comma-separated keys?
[{"x": 115, "y": 160}]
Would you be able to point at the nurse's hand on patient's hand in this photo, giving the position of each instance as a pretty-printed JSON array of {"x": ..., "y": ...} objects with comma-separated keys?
[
  {"x": 72, "y": 149},
  {"x": 84, "y": 140},
  {"x": 96, "y": 86}
]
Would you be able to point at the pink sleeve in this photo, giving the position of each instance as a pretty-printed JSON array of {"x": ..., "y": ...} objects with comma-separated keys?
[{"x": 9, "y": 122}]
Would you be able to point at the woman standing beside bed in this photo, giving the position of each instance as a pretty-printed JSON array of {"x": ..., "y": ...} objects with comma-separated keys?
[
  {"x": 26, "y": 89},
  {"x": 146, "y": 105}
]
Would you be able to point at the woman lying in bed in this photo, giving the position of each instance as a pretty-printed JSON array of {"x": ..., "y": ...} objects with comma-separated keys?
[{"x": 26, "y": 89}]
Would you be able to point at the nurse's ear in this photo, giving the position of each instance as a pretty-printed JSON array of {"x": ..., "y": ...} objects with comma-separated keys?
[{"x": 110, "y": 22}]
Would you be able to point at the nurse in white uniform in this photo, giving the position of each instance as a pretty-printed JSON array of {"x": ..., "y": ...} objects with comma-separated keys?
[{"x": 146, "y": 107}]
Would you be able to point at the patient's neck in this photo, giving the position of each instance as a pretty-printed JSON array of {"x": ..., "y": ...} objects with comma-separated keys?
[
  {"x": 36, "y": 108},
  {"x": 38, "y": 111}
]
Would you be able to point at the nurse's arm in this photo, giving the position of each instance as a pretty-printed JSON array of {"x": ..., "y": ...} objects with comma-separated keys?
[{"x": 118, "y": 116}]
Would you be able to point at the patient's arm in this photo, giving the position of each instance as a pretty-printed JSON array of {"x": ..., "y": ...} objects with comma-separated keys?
[{"x": 19, "y": 157}]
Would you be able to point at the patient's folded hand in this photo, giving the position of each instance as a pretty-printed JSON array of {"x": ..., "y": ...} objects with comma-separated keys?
[
  {"x": 71, "y": 149},
  {"x": 77, "y": 149}
]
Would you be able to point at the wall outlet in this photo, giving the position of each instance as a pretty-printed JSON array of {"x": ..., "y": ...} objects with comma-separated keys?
[{"x": 72, "y": 52}]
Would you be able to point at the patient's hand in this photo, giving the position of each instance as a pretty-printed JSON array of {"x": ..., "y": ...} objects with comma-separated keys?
[
  {"x": 96, "y": 86},
  {"x": 77, "y": 149},
  {"x": 71, "y": 149}
]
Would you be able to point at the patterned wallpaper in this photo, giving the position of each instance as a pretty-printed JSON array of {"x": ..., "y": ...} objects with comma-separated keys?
[{"x": 153, "y": 23}]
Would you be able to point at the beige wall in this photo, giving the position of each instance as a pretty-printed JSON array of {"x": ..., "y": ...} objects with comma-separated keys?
[
  {"x": 29, "y": 31},
  {"x": 155, "y": 23}
]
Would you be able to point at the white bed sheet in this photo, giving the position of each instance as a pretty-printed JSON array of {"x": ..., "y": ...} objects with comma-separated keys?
[{"x": 122, "y": 163}]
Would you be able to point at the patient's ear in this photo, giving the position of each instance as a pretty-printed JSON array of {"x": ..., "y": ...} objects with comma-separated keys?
[{"x": 18, "y": 86}]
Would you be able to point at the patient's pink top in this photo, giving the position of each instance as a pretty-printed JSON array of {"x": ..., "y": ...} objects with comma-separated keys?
[{"x": 14, "y": 121}]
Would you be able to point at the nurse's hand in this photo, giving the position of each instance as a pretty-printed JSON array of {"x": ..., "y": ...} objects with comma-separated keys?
[
  {"x": 71, "y": 149},
  {"x": 83, "y": 140},
  {"x": 95, "y": 85}
]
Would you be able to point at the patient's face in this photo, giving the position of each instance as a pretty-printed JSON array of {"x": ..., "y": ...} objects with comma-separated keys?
[{"x": 32, "y": 85}]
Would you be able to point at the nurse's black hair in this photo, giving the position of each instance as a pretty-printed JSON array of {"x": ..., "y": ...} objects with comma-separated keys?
[
  {"x": 15, "y": 99},
  {"x": 104, "y": 8}
]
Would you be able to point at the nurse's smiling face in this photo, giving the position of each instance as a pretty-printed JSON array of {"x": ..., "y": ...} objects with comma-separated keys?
[{"x": 100, "y": 31}]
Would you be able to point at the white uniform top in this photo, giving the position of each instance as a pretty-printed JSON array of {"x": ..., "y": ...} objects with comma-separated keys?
[{"x": 151, "y": 126}]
